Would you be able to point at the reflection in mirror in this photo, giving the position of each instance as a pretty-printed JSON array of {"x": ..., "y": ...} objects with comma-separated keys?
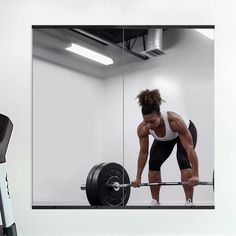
[{"x": 85, "y": 83}]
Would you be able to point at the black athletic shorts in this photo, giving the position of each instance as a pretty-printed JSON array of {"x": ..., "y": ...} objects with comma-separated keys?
[{"x": 161, "y": 150}]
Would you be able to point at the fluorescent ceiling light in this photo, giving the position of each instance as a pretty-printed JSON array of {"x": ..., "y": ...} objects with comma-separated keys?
[
  {"x": 85, "y": 52},
  {"x": 207, "y": 32}
]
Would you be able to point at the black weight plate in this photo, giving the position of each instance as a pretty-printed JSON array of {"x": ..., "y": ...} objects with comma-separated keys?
[
  {"x": 106, "y": 174},
  {"x": 92, "y": 198},
  {"x": 94, "y": 186}
]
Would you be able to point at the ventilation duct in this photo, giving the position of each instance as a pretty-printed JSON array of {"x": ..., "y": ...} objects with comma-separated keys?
[{"x": 153, "y": 43}]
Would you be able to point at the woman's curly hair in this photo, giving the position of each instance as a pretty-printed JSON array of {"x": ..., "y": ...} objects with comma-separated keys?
[{"x": 150, "y": 101}]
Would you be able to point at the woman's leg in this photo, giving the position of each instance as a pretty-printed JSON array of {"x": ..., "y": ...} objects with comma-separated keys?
[
  {"x": 154, "y": 177},
  {"x": 159, "y": 152},
  {"x": 184, "y": 164}
]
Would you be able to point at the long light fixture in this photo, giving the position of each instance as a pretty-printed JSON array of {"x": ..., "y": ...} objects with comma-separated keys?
[{"x": 90, "y": 54}]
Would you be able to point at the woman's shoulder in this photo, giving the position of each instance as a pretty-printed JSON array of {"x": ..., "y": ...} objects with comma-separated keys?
[
  {"x": 140, "y": 126},
  {"x": 172, "y": 115},
  {"x": 176, "y": 121},
  {"x": 142, "y": 130}
]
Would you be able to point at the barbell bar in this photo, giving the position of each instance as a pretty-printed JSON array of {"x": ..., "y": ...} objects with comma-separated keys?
[
  {"x": 118, "y": 185},
  {"x": 109, "y": 184}
]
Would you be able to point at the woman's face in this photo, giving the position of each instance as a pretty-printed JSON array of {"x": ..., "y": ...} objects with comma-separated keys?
[{"x": 152, "y": 120}]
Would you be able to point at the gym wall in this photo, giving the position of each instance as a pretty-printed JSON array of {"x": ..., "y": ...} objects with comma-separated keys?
[
  {"x": 67, "y": 132},
  {"x": 16, "y": 20}
]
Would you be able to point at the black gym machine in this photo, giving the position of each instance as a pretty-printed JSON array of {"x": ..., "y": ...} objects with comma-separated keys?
[{"x": 9, "y": 227}]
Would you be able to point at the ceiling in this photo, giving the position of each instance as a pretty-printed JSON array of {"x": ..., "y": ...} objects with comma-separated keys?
[{"x": 115, "y": 35}]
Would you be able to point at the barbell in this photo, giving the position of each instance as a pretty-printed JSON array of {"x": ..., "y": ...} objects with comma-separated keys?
[{"x": 108, "y": 184}]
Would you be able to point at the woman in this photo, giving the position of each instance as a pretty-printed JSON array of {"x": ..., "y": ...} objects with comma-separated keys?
[{"x": 168, "y": 129}]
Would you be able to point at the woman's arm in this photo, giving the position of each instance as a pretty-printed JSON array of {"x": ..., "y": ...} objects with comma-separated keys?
[
  {"x": 143, "y": 154},
  {"x": 178, "y": 125},
  {"x": 142, "y": 132}
]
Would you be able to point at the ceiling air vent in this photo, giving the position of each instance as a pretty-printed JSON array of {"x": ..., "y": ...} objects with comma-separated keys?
[{"x": 153, "y": 43}]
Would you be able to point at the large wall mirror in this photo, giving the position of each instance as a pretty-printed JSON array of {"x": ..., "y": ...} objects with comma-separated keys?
[{"x": 86, "y": 113}]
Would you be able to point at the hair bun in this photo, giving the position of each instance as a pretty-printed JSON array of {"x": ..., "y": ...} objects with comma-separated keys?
[{"x": 150, "y": 98}]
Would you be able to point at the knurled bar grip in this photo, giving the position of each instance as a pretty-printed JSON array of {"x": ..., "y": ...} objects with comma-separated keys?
[{"x": 117, "y": 185}]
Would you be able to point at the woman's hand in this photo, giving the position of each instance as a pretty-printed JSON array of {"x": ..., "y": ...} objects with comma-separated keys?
[
  {"x": 136, "y": 183},
  {"x": 193, "y": 181}
]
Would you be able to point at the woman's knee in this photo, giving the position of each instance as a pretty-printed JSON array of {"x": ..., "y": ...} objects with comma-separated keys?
[{"x": 154, "y": 175}]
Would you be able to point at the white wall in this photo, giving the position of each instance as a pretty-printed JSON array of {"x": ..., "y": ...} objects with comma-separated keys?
[
  {"x": 16, "y": 18},
  {"x": 67, "y": 111},
  {"x": 113, "y": 120}
]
